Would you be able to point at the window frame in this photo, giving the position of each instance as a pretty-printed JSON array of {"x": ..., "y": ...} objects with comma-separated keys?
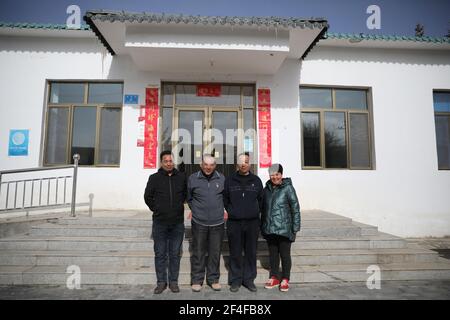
[
  {"x": 440, "y": 113},
  {"x": 71, "y": 107},
  {"x": 321, "y": 111}
]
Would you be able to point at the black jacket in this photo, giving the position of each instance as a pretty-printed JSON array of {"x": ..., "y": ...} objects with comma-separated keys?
[
  {"x": 165, "y": 196},
  {"x": 243, "y": 196}
]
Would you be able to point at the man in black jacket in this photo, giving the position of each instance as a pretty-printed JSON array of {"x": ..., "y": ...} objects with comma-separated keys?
[
  {"x": 243, "y": 201},
  {"x": 165, "y": 195}
]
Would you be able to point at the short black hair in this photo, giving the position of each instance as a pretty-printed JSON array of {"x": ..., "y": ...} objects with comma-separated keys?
[
  {"x": 276, "y": 167},
  {"x": 247, "y": 154},
  {"x": 165, "y": 153}
]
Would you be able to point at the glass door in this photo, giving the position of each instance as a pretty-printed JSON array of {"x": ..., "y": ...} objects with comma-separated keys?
[
  {"x": 224, "y": 138},
  {"x": 188, "y": 149},
  {"x": 207, "y": 130}
]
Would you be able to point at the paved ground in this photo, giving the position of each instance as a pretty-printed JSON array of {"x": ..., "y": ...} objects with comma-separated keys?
[{"x": 390, "y": 290}]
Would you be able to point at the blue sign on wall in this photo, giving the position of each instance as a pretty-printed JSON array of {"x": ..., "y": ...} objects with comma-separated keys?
[
  {"x": 18, "y": 142},
  {"x": 131, "y": 99}
]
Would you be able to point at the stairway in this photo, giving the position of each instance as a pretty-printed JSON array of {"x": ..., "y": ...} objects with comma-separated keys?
[{"x": 329, "y": 248}]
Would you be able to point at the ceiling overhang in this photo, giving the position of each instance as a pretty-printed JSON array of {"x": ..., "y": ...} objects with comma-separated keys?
[{"x": 206, "y": 44}]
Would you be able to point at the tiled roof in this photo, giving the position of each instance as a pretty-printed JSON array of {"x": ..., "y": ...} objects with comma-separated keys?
[
  {"x": 361, "y": 36},
  {"x": 206, "y": 20},
  {"x": 48, "y": 26}
]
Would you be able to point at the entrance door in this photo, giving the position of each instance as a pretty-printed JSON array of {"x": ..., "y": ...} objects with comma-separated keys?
[{"x": 207, "y": 130}]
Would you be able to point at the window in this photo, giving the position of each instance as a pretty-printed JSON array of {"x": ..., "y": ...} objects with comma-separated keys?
[
  {"x": 335, "y": 128},
  {"x": 83, "y": 118},
  {"x": 441, "y": 102}
]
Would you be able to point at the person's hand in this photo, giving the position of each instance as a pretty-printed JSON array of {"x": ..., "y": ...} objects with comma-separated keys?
[
  {"x": 225, "y": 215},
  {"x": 189, "y": 216}
]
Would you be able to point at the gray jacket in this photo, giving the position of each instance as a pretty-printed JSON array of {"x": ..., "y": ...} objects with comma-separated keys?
[{"x": 205, "y": 198}]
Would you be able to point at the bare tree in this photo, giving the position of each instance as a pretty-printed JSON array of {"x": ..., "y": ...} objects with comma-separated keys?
[{"x": 420, "y": 31}]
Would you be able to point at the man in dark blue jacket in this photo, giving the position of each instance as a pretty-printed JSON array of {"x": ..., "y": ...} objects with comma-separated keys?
[
  {"x": 165, "y": 195},
  {"x": 243, "y": 201}
]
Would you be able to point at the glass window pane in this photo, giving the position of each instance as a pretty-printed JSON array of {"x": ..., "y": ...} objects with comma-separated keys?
[
  {"x": 248, "y": 96},
  {"x": 441, "y": 101},
  {"x": 335, "y": 142},
  {"x": 57, "y": 130},
  {"x": 359, "y": 140},
  {"x": 168, "y": 91},
  {"x": 105, "y": 93},
  {"x": 443, "y": 141},
  {"x": 224, "y": 140},
  {"x": 189, "y": 148},
  {"x": 67, "y": 93},
  {"x": 351, "y": 99},
  {"x": 166, "y": 134},
  {"x": 83, "y": 134},
  {"x": 311, "y": 139},
  {"x": 315, "y": 98},
  {"x": 109, "y": 144},
  {"x": 187, "y": 95}
]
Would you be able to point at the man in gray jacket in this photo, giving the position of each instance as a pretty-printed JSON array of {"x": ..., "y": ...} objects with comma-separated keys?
[{"x": 205, "y": 199}]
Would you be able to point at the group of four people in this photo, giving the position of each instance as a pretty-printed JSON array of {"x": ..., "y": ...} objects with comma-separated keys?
[{"x": 242, "y": 203}]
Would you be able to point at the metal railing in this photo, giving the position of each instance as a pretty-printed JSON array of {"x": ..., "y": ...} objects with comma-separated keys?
[{"x": 40, "y": 181}]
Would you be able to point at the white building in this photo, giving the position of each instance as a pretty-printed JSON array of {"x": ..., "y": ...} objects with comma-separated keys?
[{"x": 361, "y": 124}]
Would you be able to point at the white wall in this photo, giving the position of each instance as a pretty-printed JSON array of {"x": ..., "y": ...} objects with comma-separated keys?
[{"x": 405, "y": 195}]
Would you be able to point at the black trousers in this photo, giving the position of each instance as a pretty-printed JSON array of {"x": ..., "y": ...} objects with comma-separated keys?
[
  {"x": 279, "y": 247},
  {"x": 206, "y": 240},
  {"x": 242, "y": 237}
]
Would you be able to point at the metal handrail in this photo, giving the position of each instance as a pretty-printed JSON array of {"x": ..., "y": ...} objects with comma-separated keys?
[{"x": 76, "y": 159}]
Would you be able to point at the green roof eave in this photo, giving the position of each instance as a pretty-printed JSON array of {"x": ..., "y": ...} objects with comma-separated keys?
[
  {"x": 41, "y": 26},
  {"x": 375, "y": 37}
]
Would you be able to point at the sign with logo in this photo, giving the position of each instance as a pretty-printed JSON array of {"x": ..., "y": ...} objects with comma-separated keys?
[
  {"x": 131, "y": 99},
  {"x": 18, "y": 143}
]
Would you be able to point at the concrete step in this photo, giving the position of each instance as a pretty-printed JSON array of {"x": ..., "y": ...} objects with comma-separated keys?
[
  {"x": 306, "y": 221},
  {"x": 146, "y": 258},
  {"x": 45, "y": 242},
  {"x": 77, "y": 230},
  {"x": 101, "y": 275}
]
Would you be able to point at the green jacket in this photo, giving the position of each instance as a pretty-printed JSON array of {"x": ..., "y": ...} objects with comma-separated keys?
[{"x": 281, "y": 210}]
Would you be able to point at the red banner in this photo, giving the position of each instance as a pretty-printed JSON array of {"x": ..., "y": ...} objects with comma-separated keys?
[
  {"x": 151, "y": 128},
  {"x": 209, "y": 90},
  {"x": 264, "y": 128}
]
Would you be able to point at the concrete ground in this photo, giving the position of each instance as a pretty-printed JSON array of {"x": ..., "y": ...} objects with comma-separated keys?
[{"x": 390, "y": 290}]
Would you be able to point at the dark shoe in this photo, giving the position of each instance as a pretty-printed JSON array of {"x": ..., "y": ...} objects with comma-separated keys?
[
  {"x": 174, "y": 287},
  {"x": 234, "y": 288},
  {"x": 251, "y": 287},
  {"x": 160, "y": 288}
]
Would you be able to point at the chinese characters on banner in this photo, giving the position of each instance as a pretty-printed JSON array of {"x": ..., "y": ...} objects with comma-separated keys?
[
  {"x": 264, "y": 128},
  {"x": 209, "y": 90},
  {"x": 151, "y": 127}
]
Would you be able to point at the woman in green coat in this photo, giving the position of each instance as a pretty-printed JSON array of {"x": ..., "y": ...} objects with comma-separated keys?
[{"x": 280, "y": 221}]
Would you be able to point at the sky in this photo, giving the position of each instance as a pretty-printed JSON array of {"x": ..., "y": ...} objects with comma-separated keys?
[{"x": 398, "y": 17}]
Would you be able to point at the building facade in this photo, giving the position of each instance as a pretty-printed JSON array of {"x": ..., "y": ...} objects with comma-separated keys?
[{"x": 361, "y": 124}]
